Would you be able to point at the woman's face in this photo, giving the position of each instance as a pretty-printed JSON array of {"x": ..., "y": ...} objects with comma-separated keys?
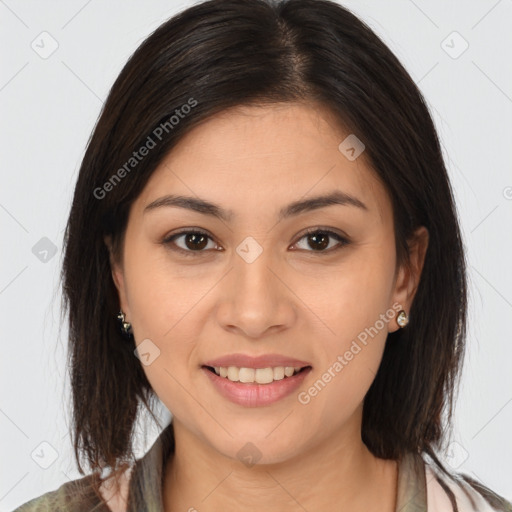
[{"x": 254, "y": 283}]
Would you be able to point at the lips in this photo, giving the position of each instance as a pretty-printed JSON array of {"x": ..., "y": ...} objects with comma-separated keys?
[
  {"x": 263, "y": 361},
  {"x": 254, "y": 394}
]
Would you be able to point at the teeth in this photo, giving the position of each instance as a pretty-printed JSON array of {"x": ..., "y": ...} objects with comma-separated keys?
[
  {"x": 257, "y": 375},
  {"x": 233, "y": 373},
  {"x": 246, "y": 374},
  {"x": 288, "y": 371}
]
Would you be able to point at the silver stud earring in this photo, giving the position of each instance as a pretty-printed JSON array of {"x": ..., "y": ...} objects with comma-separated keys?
[
  {"x": 126, "y": 327},
  {"x": 402, "y": 319}
]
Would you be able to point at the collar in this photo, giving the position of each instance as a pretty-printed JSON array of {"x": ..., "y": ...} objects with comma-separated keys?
[{"x": 146, "y": 482}]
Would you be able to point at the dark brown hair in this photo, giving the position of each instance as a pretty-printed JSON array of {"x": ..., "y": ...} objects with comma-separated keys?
[{"x": 223, "y": 53}]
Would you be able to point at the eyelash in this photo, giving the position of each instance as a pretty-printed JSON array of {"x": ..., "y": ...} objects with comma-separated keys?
[{"x": 197, "y": 231}]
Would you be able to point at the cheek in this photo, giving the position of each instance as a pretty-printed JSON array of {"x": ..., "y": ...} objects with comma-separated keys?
[
  {"x": 348, "y": 366},
  {"x": 160, "y": 296},
  {"x": 354, "y": 295},
  {"x": 357, "y": 310},
  {"x": 164, "y": 315}
]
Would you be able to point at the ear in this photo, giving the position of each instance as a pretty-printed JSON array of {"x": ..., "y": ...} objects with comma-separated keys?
[
  {"x": 408, "y": 277},
  {"x": 117, "y": 277}
]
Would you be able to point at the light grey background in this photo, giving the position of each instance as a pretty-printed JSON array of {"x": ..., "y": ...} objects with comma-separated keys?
[{"x": 48, "y": 109}]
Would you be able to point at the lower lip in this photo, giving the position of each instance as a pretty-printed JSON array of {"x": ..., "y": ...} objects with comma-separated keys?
[{"x": 256, "y": 395}]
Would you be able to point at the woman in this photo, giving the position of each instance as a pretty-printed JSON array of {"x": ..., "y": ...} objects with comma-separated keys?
[{"x": 263, "y": 236}]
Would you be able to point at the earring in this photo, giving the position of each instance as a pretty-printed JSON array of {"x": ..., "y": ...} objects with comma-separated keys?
[
  {"x": 402, "y": 319},
  {"x": 126, "y": 327}
]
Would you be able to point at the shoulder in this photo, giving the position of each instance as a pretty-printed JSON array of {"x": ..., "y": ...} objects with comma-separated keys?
[
  {"x": 448, "y": 491},
  {"x": 74, "y": 496}
]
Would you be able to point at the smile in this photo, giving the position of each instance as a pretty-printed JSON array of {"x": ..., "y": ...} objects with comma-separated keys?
[{"x": 278, "y": 382}]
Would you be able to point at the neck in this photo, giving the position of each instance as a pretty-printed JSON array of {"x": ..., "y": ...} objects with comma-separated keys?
[{"x": 341, "y": 470}]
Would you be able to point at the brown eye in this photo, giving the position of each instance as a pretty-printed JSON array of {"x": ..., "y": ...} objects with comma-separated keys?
[
  {"x": 195, "y": 241},
  {"x": 189, "y": 242},
  {"x": 319, "y": 240}
]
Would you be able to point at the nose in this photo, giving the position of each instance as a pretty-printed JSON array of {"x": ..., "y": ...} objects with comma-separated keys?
[{"x": 256, "y": 300}]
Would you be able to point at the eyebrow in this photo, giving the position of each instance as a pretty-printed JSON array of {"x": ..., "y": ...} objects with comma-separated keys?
[{"x": 196, "y": 204}]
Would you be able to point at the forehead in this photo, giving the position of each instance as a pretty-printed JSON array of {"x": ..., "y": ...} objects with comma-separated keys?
[{"x": 265, "y": 156}]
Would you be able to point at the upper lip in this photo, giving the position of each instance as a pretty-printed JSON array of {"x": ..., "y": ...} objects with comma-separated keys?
[{"x": 263, "y": 361}]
